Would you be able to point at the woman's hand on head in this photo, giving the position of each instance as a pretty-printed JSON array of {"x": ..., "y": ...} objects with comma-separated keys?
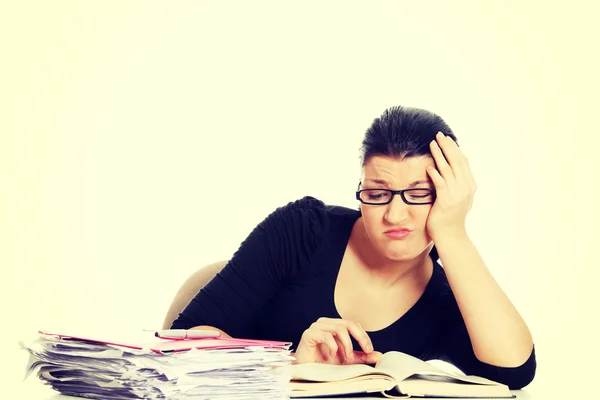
[
  {"x": 455, "y": 189},
  {"x": 327, "y": 341}
]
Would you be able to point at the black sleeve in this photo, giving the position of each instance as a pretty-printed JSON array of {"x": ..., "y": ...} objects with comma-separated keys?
[
  {"x": 274, "y": 252},
  {"x": 456, "y": 348}
]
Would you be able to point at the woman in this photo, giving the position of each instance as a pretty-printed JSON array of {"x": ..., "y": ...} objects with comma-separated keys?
[{"x": 347, "y": 285}]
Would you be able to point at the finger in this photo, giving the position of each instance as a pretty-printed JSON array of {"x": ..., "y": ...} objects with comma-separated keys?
[
  {"x": 463, "y": 184},
  {"x": 342, "y": 336},
  {"x": 321, "y": 339},
  {"x": 437, "y": 179},
  {"x": 340, "y": 332},
  {"x": 440, "y": 160},
  {"x": 360, "y": 357},
  {"x": 458, "y": 161},
  {"x": 360, "y": 335},
  {"x": 327, "y": 340},
  {"x": 467, "y": 173},
  {"x": 353, "y": 328}
]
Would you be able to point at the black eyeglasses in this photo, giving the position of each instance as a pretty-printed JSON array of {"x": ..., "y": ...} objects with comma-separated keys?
[{"x": 385, "y": 196}]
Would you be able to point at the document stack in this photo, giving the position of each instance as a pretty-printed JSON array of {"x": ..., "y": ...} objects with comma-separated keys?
[{"x": 210, "y": 368}]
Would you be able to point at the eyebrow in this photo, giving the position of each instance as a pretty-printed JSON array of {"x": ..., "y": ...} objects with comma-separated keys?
[{"x": 382, "y": 182}]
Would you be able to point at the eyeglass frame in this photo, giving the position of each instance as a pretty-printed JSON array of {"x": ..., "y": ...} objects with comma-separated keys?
[{"x": 394, "y": 192}]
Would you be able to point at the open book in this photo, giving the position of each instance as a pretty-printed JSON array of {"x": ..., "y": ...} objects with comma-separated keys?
[{"x": 395, "y": 375}]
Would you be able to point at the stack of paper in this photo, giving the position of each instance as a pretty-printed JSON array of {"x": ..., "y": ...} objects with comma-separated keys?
[{"x": 166, "y": 369}]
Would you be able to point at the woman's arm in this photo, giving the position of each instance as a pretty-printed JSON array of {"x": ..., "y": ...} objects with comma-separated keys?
[
  {"x": 272, "y": 254},
  {"x": 498, "y": 334},
  {"x": 189, "y": 289},
  {"x": 211, "y": 328}
]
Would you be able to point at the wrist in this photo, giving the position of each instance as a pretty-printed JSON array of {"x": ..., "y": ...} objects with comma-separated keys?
[
  {"x": 449, "y": 236},
  {"x": 454, "y": 249}
]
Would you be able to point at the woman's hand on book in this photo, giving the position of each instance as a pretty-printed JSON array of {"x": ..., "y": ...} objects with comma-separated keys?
[{"x": 328, "y": 341}]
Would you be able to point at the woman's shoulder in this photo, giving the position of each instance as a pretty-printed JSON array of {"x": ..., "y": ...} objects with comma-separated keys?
[
  {"x": 311, "y": 208},
  {"x": 305, "y": 203},
  {"x": 310, "y": 216}
]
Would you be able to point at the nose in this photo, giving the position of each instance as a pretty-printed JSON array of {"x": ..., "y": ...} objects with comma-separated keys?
[{"x": 397, "y": 211}]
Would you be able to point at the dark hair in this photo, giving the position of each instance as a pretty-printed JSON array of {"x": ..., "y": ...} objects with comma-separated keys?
[{"x": 402, "y": 132}]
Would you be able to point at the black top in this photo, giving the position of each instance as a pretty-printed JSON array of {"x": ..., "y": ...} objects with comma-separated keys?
[{"x": 282, "y": 279}]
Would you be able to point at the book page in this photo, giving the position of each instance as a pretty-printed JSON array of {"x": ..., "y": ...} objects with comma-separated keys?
[
  {"x": 351, "y": 385},
  {"x": 446, "y": 386},
  {"x": 330, "y": 373},
  {"x": 401, "y": 366}
]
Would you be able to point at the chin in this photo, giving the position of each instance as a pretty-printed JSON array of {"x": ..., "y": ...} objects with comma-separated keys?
[
  {"x": 396, "y": 252},
  {"x": 401, "y": 257},
  {"x": 400, "y": 254}
]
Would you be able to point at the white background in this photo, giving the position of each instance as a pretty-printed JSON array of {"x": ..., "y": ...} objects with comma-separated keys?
[{"x": 143, "y": 140}]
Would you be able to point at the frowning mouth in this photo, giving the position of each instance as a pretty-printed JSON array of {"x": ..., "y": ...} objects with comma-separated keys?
[{"x": 398, "y": 233}]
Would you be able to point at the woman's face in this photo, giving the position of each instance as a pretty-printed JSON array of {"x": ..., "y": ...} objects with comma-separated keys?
[{"x": 381, "y": 172}]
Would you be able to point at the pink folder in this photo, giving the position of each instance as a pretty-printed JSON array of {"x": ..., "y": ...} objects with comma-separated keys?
[{"x": 147, "y": 340}]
